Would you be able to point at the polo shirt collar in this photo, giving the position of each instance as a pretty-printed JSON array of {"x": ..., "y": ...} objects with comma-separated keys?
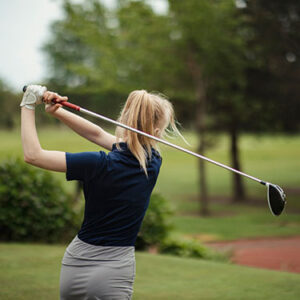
[{"x": 124, "y": 147}]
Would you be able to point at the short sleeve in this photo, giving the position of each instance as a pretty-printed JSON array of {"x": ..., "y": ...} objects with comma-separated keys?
[{"x": 84, "y": 165}]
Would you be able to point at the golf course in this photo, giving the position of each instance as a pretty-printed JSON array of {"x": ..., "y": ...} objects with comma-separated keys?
[
  {"x": 31, "y": 271},
  {"x": 149, "y": 150}
]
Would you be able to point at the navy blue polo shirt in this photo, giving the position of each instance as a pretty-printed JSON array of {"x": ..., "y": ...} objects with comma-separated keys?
[{"x": 117, "y": 193}]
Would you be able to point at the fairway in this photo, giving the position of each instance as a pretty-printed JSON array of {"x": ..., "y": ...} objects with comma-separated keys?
[{"x": 32, "y": 272}]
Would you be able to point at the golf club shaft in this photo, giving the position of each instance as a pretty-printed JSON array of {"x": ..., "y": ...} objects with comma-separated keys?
[{"x": 90, "y": 113}]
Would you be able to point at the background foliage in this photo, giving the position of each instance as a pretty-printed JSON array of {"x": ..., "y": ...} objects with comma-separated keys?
[
  {"x": 34, "y": 206},
  {"x": 157, "y": 225}
]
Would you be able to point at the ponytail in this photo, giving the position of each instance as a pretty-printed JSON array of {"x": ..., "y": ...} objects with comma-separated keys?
[{"x": 149, "y": 113}]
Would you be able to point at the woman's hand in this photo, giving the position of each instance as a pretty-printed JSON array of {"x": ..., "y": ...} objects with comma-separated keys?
[
  {"x": 33, "y": 95},
  {"x": 51, "y": 107}
]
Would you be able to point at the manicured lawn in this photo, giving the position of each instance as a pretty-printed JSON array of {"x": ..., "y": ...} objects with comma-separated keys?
[
  {"x": 29, "y": 271},
  {"x": 271, "y": 158},
  {"x": 247, "y": 225}
]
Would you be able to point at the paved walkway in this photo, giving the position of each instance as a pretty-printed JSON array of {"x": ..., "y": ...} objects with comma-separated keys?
[{"x": 282, "y": 254}]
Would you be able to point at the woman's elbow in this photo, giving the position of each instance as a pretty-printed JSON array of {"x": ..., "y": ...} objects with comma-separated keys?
[{"x": 29, "y": 159}]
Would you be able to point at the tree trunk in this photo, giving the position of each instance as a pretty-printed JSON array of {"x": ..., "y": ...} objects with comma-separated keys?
[
  {"x": 200, "y": 91},
  {"x": 201, "y": 129},
  {"x": 238, "y": 190}
]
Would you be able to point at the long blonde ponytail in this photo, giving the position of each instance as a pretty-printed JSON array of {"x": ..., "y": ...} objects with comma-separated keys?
[{"x": 148, "y": 112}]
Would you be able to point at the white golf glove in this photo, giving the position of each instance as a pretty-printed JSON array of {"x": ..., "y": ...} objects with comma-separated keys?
[{"x": 33, "y": 95}]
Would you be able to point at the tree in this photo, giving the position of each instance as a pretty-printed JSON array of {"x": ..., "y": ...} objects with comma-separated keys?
[
  {"x": 101, "y": 55},
  {"x": 82, "y": 56},
  {"x": 147, "y": 54},
  {"x": 275, "y": 79},
  {"x": 8, "y": 103},
  {"x": 268, "y": 98},
  {"x": 212, "y": 44}
]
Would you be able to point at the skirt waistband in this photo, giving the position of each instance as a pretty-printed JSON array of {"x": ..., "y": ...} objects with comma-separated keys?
[{"x": 79, "y": 250}]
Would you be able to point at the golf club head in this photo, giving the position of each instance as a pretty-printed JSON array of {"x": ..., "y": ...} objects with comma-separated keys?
[{"x": 276, "y": 198}]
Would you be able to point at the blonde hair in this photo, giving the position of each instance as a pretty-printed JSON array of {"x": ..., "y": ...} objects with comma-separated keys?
[{"x": 150, "y": 113}]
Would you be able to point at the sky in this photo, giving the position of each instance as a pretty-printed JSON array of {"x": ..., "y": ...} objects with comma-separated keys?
[{"x": 24, "y": 28}]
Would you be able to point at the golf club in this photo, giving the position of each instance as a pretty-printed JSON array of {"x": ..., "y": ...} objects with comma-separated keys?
[{"x": 275, "y": 195}]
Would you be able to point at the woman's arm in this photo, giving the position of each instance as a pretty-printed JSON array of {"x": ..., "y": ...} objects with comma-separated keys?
[
  {"x": 80, "y": 125},
  {"x": 33, "y": 152},
  {"x": 86, "y": 128}
]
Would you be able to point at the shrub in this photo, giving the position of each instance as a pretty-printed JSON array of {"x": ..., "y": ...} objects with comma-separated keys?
[
  {"x": 157, "y": 231},
  {"x": 156, "y": 225},
  {"x": 189, "y": 248},
  {"x": 34, "y": 207}
]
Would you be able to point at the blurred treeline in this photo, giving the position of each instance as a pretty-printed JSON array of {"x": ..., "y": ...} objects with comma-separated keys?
[{"x": 229, "y": 66}]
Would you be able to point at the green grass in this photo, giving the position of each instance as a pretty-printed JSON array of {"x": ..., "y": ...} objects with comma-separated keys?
[
  {"x": 271, "y": 158},
  {"x": 31, "y": 271},
  {"x": 274, "y": 158},
  {"x": 247, "y": 225}
]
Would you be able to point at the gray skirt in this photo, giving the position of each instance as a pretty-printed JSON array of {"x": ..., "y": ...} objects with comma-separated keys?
[{"x": 97, "y": 272}]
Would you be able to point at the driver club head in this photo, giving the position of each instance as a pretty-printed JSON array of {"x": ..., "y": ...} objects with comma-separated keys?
[{"x": 276, "y": 198}]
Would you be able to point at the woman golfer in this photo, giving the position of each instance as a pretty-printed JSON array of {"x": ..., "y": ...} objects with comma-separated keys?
[{"x": 100, "y": 262}]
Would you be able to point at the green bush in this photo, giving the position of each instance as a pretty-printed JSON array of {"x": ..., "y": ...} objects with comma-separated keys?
[
  {"x": 156, "y": 225},
  {"x": 189, "y": 248},
  {"x": 157, "y": 232},
  {"x": 34, "y": 207}
]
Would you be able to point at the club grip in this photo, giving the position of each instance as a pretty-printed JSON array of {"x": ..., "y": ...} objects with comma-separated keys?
[{"x": 67, "y": 104}]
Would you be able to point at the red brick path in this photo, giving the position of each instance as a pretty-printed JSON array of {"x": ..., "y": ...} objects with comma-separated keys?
[{"x": 281, "y": 254}]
